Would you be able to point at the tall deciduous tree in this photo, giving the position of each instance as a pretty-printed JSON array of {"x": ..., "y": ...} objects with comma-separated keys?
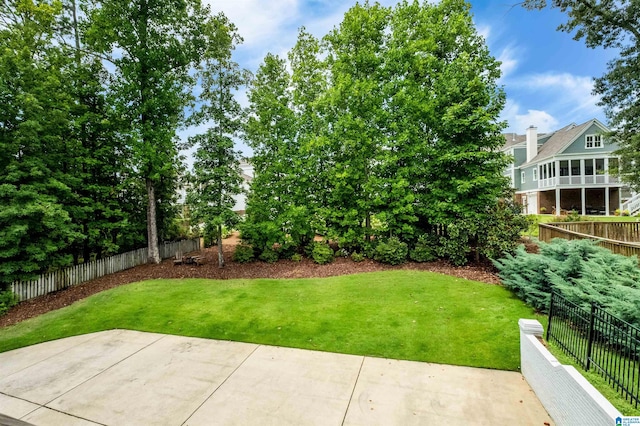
[
  {"x": 271, "y": 132},
  {"x": 217, "y": 175},
  {"x": 449, "y": 110},
  {"x": 356, "y": 55},
  {"x": 153, "y": 44},
  {"x": 612, "y": 24}
]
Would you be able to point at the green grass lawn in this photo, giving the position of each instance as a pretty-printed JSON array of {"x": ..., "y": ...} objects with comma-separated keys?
[{"x": 411, "y": 315}]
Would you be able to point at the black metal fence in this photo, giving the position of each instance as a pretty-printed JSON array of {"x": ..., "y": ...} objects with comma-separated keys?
[{"x": 600, "y": 341}]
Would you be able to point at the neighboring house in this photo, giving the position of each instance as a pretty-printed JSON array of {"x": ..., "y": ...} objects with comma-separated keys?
[
  {"x": 247, "y": 176},
  {"x": 567, "y": 169}
]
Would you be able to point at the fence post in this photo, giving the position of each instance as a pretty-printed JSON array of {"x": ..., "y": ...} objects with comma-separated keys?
[
  {"x": 550, "y": 316},
  {"x": 591, "y": 333}
]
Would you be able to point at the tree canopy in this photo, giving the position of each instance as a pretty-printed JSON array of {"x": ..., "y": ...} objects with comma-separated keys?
[{"x": 386, "y": 127}]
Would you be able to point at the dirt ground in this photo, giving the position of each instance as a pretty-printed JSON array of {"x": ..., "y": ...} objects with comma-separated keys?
[{"x": 282, "y": 269}]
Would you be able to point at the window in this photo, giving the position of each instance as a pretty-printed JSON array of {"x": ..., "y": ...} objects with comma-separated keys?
[
  {"x": 575, "y": 167},
  {"x": 599, "y": 166},
  {"x": 564, "y": 168},
  {"x": 613, "y": 165},
  {"x": 588, "y": 167},
  {"x": 593, "y": 141},
  {"x": 535, "y": 174},
  {"x": 522, "y": 176}
]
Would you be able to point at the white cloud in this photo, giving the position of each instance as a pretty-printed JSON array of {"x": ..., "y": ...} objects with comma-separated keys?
[
  {"x": 518, "y": 122},
  {"x": 258, "y": 21},
  {"x": 571, "y": 91},
  {"x": 484, "y": 31},
  {"x": 509, "y": 61}
]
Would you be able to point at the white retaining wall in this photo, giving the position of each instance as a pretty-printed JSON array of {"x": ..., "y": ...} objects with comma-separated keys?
[{"x": 567, "y": 396}]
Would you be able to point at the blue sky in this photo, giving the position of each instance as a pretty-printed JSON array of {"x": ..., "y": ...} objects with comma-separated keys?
[{"x": 548, "y": 76}]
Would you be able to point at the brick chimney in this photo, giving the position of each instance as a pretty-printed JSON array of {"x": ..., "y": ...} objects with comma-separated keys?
[{"x": 532, "y": 143}]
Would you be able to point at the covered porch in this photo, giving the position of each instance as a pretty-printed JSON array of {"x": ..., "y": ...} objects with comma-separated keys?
[{"x": 586, "y": 201}]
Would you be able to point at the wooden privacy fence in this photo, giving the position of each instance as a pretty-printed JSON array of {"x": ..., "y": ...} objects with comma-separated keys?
[
  {"x": 619, "y": 237},
  {"x": 72, "y": 275}
]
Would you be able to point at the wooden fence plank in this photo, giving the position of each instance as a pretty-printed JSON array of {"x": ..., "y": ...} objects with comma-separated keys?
[
  {"x": 73, "y": 275},
  {"x": 626, "y": 241}
]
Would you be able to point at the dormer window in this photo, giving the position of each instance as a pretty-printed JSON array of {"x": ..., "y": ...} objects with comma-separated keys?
[{"x": 593, "y": 141}]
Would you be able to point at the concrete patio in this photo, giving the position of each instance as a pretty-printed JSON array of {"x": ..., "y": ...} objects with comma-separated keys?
[{"x": 125, "y": 377}]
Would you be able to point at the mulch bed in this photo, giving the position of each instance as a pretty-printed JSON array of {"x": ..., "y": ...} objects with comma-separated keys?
[{"x": 281, "y": 269}]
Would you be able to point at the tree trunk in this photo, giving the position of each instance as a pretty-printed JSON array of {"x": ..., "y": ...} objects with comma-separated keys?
[
  {"x": 220, "y": 255},
  {"x": 152, "y": 225},
  {"x": 367, "y": 227}
]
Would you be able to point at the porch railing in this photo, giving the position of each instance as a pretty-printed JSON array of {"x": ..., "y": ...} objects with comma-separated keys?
[{"x": 578, "y": 180}]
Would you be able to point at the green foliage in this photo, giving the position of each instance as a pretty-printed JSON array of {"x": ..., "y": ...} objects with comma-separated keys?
[
  {"x": 269, "y": 255},
  {"x": 322, "y": 253},
  {"x": 573, "y": 216},
  {"x": 357, "y": 257},
  {"x": 260, "y": 234},
  {"x": 502, "y": 229},
  {"x": 579, "y": 270},
  {"x": 455, "y": 245},
  {"x": 392, "y": 251},
  {"x": 8, "y": 299},
  {"x": 424, "y": 249},
  {"x": 296, "y": 257},
  {"x": 243, "y": 253}
]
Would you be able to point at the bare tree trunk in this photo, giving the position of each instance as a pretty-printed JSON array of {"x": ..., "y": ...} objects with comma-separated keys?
[
  {"x": 367, "y": 227},
  {"x": 152, "y": 224},
  {"x": 220, "y": 255}
]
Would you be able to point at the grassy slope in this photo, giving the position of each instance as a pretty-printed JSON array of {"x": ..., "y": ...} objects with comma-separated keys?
[{"x": 397, "y": 314}]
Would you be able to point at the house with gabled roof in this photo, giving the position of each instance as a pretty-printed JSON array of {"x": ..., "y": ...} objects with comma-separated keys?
[{"x": 568, "y": 170}]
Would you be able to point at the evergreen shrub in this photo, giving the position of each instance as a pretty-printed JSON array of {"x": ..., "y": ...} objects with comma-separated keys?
[
  {"x": 393, "y": 251},
  {"x": 243, "y": 253},
  {"x": 322, "y": 253},
  {"x": 357, "y": 257},
  {"x": 579, "y": 270},
  {"x": 269, "y": 255},
  {"x": 7, "y": 300},
  {"x": 424, "y": 250}
]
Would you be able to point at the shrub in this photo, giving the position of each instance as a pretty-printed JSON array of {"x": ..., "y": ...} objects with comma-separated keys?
[
  {"x": 288, "y": 249},
  {"x": 500, "y": 233},
  {"x": 369, "y": 249},
  {"x": 269, "y": 255},
  {"x": 7, "y": 300},
  {"x": 424, "y": 250},
  {"x": 322, "y": 253},
  {"x": 455, "y": 246},
  {"x": 296, "y": 257},
  {"x": 243, "y": 253},
  {"x": 393, "y": 251},
  {"x": 573, "y": 216},
  {"x": 357, "y": 257},
  {"x": 579, "y": 270}
]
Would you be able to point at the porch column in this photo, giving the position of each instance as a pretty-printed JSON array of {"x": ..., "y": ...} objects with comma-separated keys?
[
  {"x": 606, "y": 201},
  {"x": 583, "y": 196},
  {"x": 557, "y": 201}
]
